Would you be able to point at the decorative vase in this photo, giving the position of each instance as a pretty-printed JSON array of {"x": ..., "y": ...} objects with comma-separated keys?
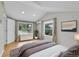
[{"x": 36, "y": 37}]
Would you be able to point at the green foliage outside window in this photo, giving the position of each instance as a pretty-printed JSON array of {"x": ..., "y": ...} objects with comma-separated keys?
[
  {"x": 48, "y": 29},
  {"x": 25, "y": 27}
]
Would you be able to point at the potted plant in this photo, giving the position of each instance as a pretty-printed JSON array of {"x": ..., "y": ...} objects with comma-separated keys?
[{"x": 36, "y": 34}]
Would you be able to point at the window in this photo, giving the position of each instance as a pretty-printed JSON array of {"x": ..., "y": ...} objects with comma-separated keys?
[
  {"x": 25, "y": 27},
  {"x": 48, "y": 29}
]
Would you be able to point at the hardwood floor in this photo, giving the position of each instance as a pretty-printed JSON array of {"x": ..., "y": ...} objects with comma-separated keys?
[
  {"x": 8, "y": 48},
  {"x": 14, "y": 45}
]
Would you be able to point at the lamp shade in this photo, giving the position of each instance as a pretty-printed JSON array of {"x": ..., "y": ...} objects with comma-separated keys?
[{"x": 76, "y": 36}]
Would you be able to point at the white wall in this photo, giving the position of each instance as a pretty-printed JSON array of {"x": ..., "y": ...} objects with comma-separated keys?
[
  {"x": 64, "y": 38},
  {"x": 10, "y": 30},
  {"x": 2, "y": 28}
]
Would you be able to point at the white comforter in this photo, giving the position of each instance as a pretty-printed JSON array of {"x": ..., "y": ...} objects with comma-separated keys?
[{"x": 50, "y": 52}]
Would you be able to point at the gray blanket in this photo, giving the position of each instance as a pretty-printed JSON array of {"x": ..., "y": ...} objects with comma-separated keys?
[
  {"x": 31, "y": 51},
  {"x": 28, "y": 49}
]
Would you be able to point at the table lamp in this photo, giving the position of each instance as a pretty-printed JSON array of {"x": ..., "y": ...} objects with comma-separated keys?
[{"x": 76, "y": 36}]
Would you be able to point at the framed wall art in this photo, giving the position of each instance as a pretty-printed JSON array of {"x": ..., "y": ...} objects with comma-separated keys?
[{"x": 69, "y": 26}]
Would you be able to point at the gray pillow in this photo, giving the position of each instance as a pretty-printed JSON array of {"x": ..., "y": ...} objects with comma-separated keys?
[{"x": 71, "y": 52}]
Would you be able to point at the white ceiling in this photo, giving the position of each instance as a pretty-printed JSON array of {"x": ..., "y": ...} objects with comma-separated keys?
[
  {"x": 59, "y": 6},
  {"x": 34, "y": 10}
]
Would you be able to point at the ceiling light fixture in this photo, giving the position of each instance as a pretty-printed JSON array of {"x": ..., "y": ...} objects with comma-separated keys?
[
  {"x": 34, "y": 15},
  {"x": 22, "y": 12}
]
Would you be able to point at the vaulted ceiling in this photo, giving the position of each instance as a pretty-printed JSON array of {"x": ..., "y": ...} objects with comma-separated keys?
[{"x": 34, "y": 10}]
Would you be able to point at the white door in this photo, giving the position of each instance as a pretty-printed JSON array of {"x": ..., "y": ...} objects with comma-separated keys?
[{"x": 10, "y": 30}]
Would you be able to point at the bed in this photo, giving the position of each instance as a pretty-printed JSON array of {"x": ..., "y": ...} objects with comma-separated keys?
[
  {"x": 53, "y": 51},
  {"x": 40, "y": 48}
]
